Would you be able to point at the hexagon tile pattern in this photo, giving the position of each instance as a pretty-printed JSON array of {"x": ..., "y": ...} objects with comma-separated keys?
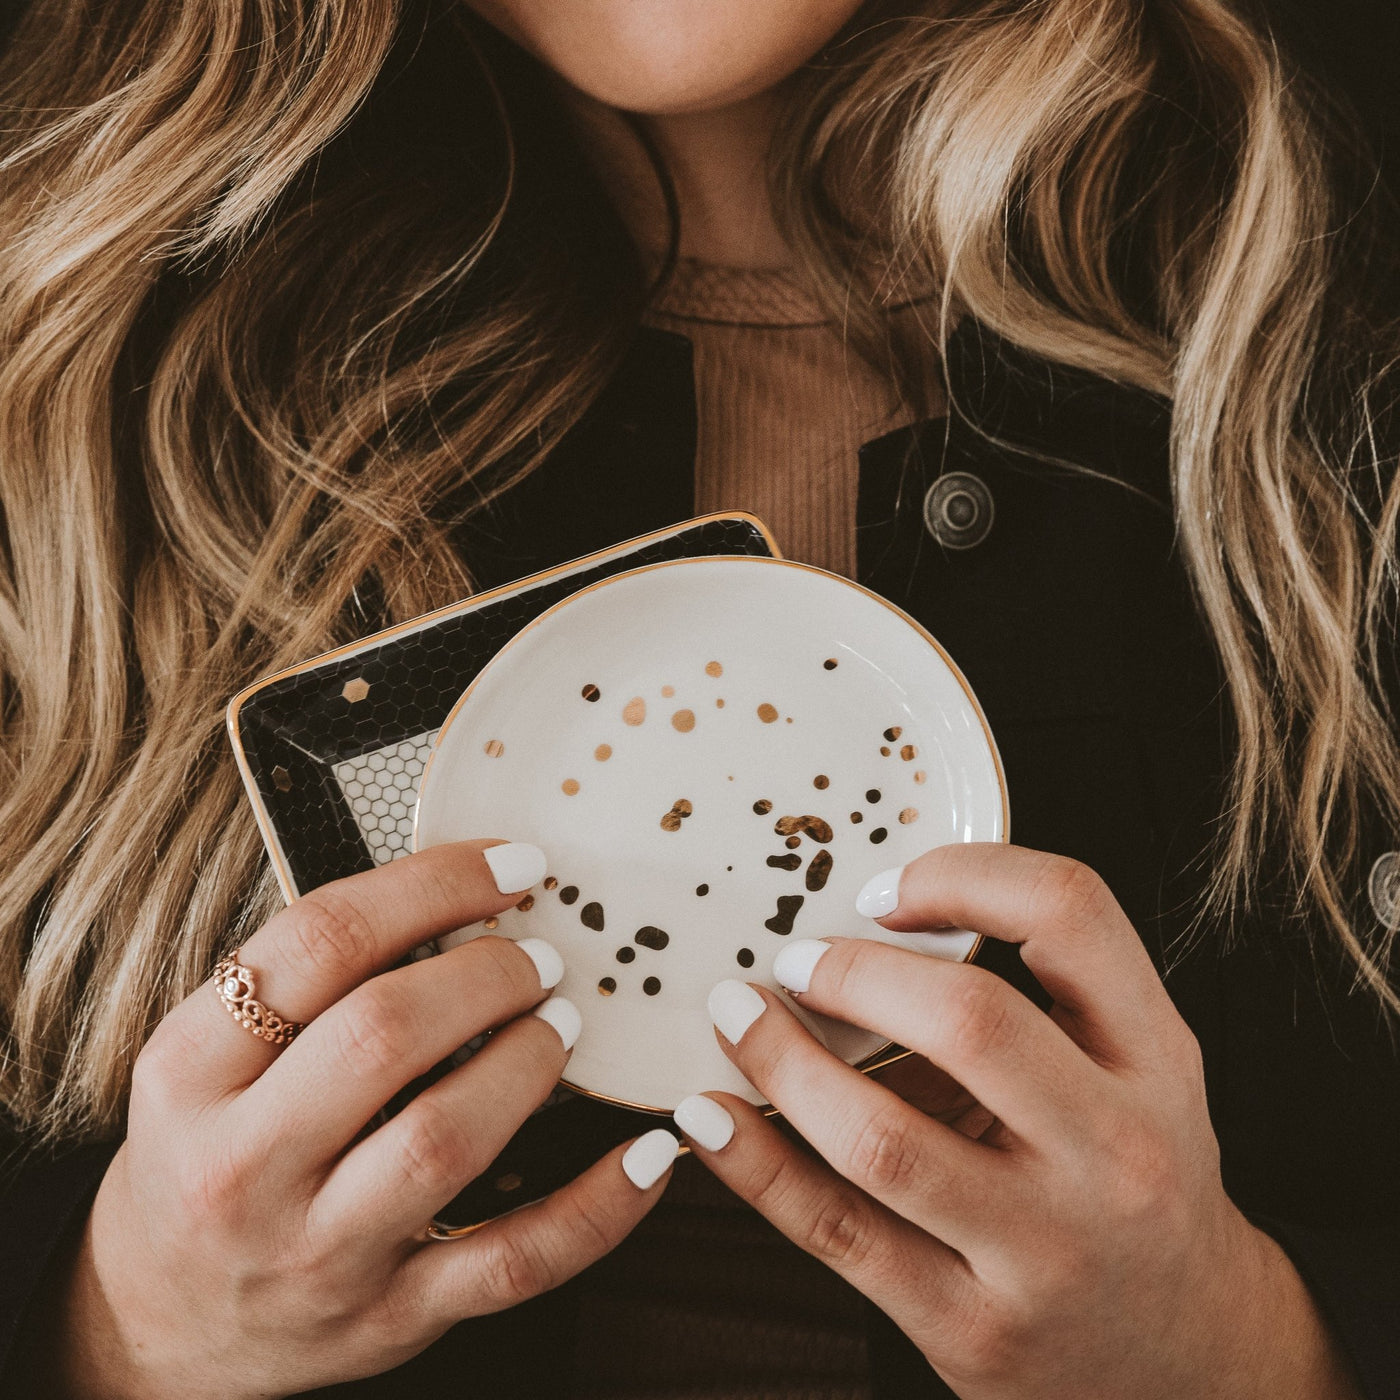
[{"x": 381, "y": 788}]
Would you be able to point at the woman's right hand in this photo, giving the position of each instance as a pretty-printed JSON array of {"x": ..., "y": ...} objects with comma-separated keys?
[{"x": 248, "y": 1239}]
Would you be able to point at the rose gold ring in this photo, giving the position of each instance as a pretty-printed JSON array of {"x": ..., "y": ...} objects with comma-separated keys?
[{"x": 236, "y": 989}]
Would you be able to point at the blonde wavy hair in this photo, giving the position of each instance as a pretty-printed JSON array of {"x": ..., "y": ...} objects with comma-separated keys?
[{"x": 259, "y": 354}]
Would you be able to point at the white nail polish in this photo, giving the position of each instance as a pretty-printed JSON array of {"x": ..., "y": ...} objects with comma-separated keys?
[
  {"x": 704, "y": 1120},
  {"x": 879, "y": 895},
  {"x": 792, "y": 968},
  {"x": 563, "y": 1015},
  {"x": 515, "y": 865},
  {"x": 647, "y": 1159},
  {"x": 734, "y": 1007},
  {"x": 546, "y": 959}
]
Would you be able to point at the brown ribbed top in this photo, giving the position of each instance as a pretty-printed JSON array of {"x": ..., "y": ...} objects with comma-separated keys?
[
  {"x": 705, "y": 1300},
  {"x": 783, "y": 403}
]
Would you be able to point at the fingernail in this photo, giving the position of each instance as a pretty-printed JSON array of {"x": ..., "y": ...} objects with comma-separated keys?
[
  {"x": 734, "y": 1007},
  {"x": 704, "y": 1120},
  {"x": 879, "y": 895},
  {"x": 515, "y": 865},
  {"x": 647, "y": 1159},
  {"x": 546, "y": 959},
  {"x": 564, "y": 1016},
  {"x": 792, "y": 968}
]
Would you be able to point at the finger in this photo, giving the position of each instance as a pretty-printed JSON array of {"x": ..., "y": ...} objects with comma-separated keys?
[
  {"x": 353, "y": 1058},
  {"x": 309, "y": 955},
  {"x": 912, "y": 1276},
  {"x": 387, "y": 1187},
  {"x": 925, "y": 1171},
  {"x": 1001, "y": 1047},
  {"x": 1073, "y": 935},
  {"x": 539, "y": 1246},
  {"x": 935, "y": 1092}
]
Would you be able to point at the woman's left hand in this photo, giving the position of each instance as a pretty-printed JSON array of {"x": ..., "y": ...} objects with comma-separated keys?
[{"x": 1068, "y": 1235}]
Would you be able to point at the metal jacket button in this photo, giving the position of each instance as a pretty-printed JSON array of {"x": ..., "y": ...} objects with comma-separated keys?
[
  {"x": 958, "y": 510},
  {"x": 1385, "y": 889}
]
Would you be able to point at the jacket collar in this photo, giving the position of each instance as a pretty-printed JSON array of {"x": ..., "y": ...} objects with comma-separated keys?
[{"x": 628, "y": 467}]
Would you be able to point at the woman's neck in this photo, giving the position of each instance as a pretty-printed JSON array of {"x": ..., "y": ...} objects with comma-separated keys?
[{"x": 717, "y": 162}]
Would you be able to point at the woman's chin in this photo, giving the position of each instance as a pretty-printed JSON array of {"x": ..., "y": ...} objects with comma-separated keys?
[{"x": 670, "y": 57}]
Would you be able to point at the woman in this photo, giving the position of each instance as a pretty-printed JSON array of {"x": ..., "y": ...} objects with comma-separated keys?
[{"x": 317, "y": 316}]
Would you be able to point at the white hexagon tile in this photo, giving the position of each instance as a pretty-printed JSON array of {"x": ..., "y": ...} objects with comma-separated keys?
[{"x": 380, "y": 788}]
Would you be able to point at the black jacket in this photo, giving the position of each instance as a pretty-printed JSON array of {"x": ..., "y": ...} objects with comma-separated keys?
[{"x": 1075, "y": 627}]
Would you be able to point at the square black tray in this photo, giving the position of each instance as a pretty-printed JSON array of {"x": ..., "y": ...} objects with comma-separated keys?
[{"x": 331, "y": 752}]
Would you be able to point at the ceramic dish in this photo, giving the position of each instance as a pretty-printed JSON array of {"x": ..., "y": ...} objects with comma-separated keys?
[{"x": 715, "y": 754}]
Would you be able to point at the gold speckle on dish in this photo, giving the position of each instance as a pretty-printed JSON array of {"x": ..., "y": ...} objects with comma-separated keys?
[
  {"x": 680, "y": 809},
  {"x": 526, "y": 904},
  {"x": 893, "y": 733},
  {"x": 821, "y": 781},
  {"x": 789, "y": 719},
  {"x": 719, "y": 702},
  {"x": 793, "y": 842},
  {"x": 819, "y": 870},
  {"x": 909, "y": 814},
  {"x": 667, "y": 691},
  {"x": 494, "y": 748},
  {"x": 355, "y": 690},
  {"x": 763, "y": 806},
  {"x": 767, "y": 713},
  {"x": 856, "y": 818},
  {"x": 493, "y": 922},
  {"x": 788, "y": 905},
  {"x": 590, "y": 692},
  {"x": 787, "y": 862},
  {"x": 634, "y": 711},
  {"x": 550, "y": 883},
  {"x": 815, "y": 827},
  {"x": 908, "y": 752},
  {"x": 569, "y": 786},
  {"x": 920, "y": 776},
  {"x": 607, "y": 986},
  {"x": 713, "y": 668},
  {"x": 281, "y": 779},
  {"x": 884, "y": 750},
  {"x": 603, "y": 752},
  {"x": 683, "y": 720}
]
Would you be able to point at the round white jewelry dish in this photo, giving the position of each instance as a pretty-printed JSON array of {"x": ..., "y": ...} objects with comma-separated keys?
[{"x": 715, "y": 755}]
